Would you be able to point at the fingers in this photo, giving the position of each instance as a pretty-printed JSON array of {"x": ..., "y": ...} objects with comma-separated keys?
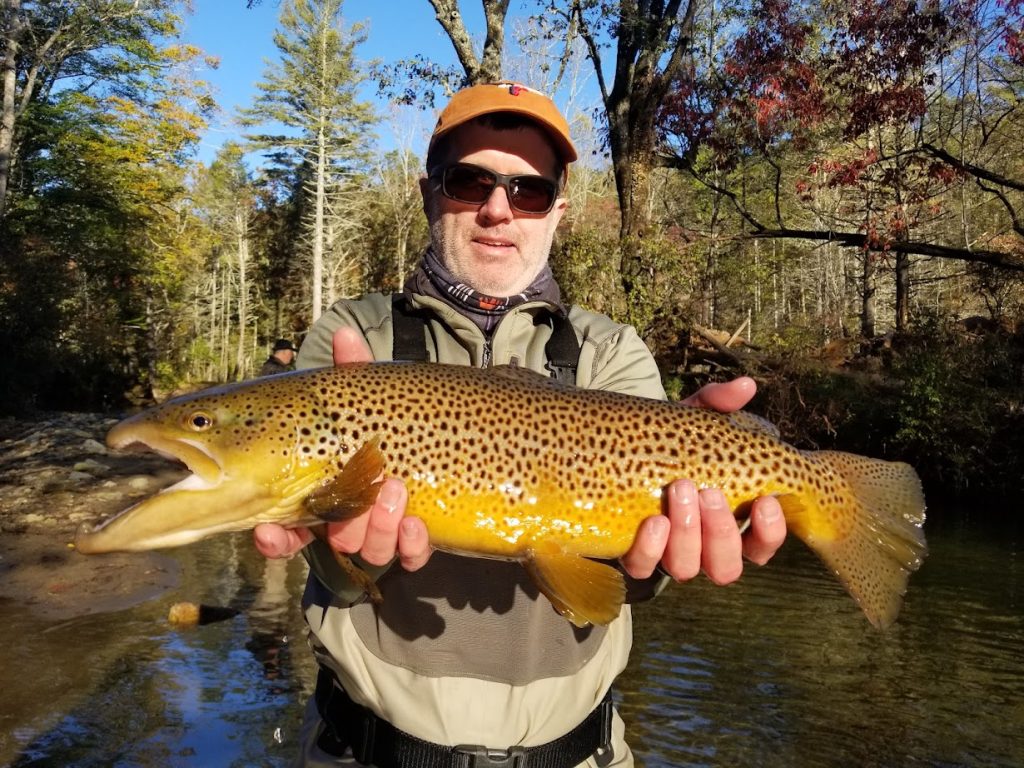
[
  {"x": 699, "y": 533},
  {"x": 275, "y": 541},
  {"x": 373, "y": 534},
  {"x": 721, "y": 555},
  {"x": 350, "y": 347},
  {"x": 413, "y": 544},
  {"x": 384, "y": 532},
  {"x": 683, "y": 553},
  {"x": 726, "y": 396},
  {"x": 767, "y": 530},
  {"x": 648, "y": 547}
]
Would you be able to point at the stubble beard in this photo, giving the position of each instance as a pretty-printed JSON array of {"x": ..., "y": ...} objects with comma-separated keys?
[{"x": 492, "y": 279}]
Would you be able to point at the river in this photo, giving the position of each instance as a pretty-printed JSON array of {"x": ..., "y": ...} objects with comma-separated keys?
[{"x": 780, "y": 669}]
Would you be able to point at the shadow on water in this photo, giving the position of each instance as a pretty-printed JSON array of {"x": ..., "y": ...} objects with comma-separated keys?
[{"x": 778, "y": 670}]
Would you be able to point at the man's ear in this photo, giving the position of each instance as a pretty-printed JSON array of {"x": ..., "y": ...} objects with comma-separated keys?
[
  {"x": 425, "y": 193},
  {"x": 561, "y": 206}
]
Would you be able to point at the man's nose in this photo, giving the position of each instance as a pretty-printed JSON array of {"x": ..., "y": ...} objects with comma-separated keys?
[{"x": 496, "y": 208}]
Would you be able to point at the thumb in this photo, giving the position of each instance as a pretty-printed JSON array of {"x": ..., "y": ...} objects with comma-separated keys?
[
  {"x": 726, "y": 396},
  {"x": 350, "y": 347}
]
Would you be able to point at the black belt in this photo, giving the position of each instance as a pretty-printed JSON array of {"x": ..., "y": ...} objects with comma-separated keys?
[{"x": 377, "y": 742}]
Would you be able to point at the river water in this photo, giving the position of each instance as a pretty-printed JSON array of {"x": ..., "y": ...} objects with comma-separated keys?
[{"x": 780, "y": 669}]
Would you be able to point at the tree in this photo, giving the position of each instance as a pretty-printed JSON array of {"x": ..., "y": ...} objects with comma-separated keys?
[
  {"x": 312, "y": 91},
  {"x": 47, "y": 43},
  {"x": 100, "y": 116},
  {"x": 227, "y": 202}
]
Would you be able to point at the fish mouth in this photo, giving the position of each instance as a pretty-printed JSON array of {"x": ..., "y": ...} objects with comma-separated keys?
[
  {"x": 205, "y": 501},
  {"x": 205, "y": 467}
]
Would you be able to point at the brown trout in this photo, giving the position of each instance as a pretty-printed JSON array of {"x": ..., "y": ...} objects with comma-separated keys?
[{"x": 505, "y": 463}]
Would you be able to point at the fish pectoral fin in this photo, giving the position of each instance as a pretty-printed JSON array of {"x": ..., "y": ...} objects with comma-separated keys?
[
  {"x": 353, "y": 490},
  {"x": 583, "y": 591}
]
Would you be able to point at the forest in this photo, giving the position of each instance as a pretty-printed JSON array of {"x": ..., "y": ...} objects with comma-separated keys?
[{"x": 823, "y": 195}]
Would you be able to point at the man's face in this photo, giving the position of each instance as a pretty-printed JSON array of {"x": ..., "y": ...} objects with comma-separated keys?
[{"x": 491, "y": 247}]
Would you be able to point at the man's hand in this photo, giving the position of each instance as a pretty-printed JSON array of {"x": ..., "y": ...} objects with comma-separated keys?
[
  {"x": 380, "y": 533},
  {"x": 699, "y": 531}
]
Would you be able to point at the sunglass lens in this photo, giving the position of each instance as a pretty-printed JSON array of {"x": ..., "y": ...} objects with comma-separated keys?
[
  {"x": 470, "y": 185},
  {"x": 531, "y": 194}
]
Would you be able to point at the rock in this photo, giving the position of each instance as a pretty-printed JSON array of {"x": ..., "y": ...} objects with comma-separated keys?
[
  {"x": 94, "y": 446},
  {"x": 91, "y": 467}
]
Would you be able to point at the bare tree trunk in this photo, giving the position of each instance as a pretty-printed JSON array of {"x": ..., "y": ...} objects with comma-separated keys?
[
  {"x": 11, "y": 21},
  {"x": 318, "y": 225},
  {"x": 902, "y": 292},
  {"x": 868, "y": 290},
  {"x": 477, "y": 71},
  {"x": 650, "y": 56},
  {"x": 242, "y": 250},
  {"x": 212, "y": 338}
]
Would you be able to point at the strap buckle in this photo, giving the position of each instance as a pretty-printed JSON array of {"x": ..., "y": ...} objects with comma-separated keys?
[{"x": 486, "y": 757}]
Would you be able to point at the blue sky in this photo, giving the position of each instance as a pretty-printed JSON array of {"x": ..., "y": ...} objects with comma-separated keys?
[{"x": 242, "y": 39}]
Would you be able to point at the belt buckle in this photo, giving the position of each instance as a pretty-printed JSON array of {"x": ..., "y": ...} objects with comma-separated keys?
[{"x": 486, "y": 757}]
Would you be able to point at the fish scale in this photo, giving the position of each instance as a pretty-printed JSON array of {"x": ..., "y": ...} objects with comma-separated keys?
[{"x": 507, "y": 463}]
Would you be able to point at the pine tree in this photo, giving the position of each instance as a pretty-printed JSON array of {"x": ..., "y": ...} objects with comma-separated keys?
[{"x": 312, "y": 92}]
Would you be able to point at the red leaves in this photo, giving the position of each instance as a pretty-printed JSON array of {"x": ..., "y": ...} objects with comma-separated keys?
[
  {"x": 774, "y": 84},
  {"x": 1013, "y": 35},
  {"x": 880, "y": 54}
]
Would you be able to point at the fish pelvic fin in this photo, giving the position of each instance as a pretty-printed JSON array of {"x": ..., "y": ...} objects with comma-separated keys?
[
  {"x": 583, "y": 591},
  {"x": 353, "y": 490},
  {"x": 872, "y": 539},
  {"x": 355, "y": 574}
]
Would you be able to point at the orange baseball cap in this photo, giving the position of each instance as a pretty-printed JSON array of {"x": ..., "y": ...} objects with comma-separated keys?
[{"x": 506, "y": 96}]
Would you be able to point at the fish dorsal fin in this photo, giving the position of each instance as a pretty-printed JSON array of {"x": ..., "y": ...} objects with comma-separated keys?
[
  {"x": 754, "y": 423},
  {"x": 353, "y": 490},
  {"x": 583, "y": 591},
  {"x": 518, "y": 373},
  {"x": 528, "y": 376}
]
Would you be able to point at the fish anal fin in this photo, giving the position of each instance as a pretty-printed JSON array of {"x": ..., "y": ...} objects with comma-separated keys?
[
  {"x": 358, "y": 576},
  {"x": 354, "y": 489},
  {"x": 583, "y": 591}
]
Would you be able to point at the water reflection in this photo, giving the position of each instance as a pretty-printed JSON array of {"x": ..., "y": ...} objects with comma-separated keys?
[
  {"x": 782, "y": 670},
  {"x": 145, "y": 694},
  {"x": 779, "y": 670}
]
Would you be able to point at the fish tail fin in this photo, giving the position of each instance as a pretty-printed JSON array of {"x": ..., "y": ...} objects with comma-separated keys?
[{"x": 871, "y": 535}]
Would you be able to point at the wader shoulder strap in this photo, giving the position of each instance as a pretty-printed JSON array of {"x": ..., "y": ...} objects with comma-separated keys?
[
  {"x": 562, "y": 350},
  {"x": 410, "y": 331},
  {"x": 409, "y": 327}
]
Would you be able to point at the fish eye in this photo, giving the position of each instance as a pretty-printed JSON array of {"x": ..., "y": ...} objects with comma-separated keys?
[{"x": 199, "y": 421}]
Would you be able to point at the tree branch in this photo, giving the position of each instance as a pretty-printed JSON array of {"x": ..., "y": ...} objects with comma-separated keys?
[
  {"x": 972, "y": 170},
  {"x": 863, "y": 242},
  {"x": 448, "y": 16}
]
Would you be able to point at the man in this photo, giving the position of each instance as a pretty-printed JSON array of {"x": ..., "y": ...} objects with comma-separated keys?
[
  {"x": 464, "y": 651},
  {"x": 281, "y": 359}
]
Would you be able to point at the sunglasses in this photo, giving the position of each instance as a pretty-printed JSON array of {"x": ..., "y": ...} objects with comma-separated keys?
[{"x": 467, "y": 183}]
